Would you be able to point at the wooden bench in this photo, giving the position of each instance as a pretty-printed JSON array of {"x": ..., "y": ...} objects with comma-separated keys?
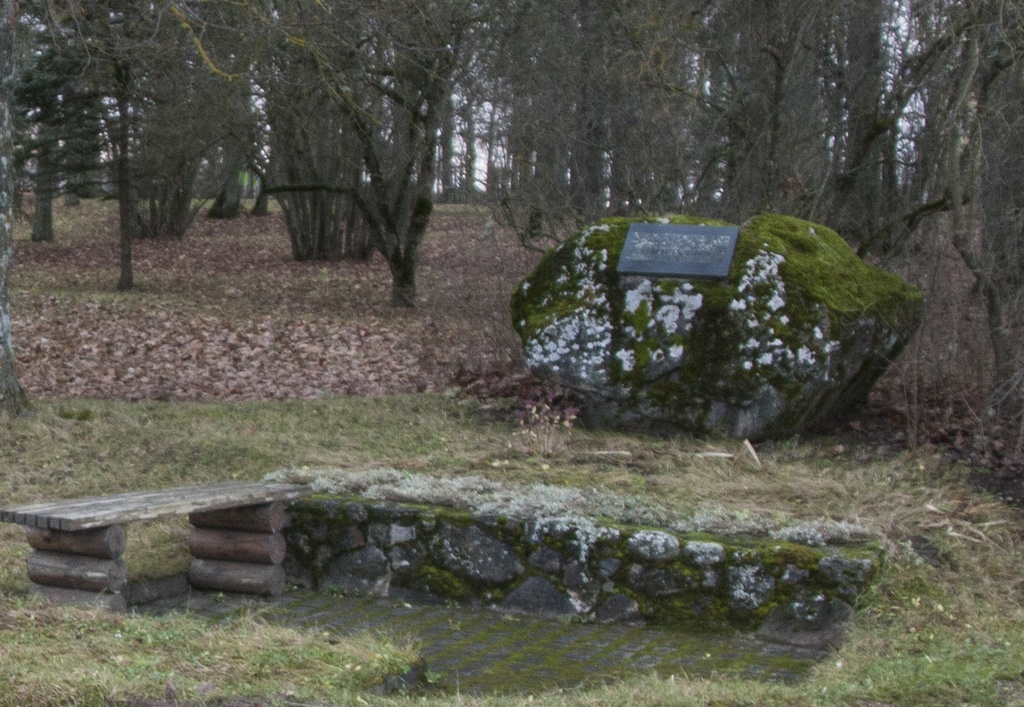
[{"x": 236, "y": 541}]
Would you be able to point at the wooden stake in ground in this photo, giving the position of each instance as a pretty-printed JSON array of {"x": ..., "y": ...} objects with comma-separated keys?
[{"x": 753, "y": 453}]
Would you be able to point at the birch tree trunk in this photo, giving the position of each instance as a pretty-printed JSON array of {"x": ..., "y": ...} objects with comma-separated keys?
[{"x": 12, "y": 397}]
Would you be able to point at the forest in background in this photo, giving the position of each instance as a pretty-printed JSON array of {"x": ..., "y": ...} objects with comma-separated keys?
[{"x": 895, "y": 122}]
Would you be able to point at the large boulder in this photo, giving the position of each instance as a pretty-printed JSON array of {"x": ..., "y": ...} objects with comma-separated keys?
[{"x": 801, "y": 329}]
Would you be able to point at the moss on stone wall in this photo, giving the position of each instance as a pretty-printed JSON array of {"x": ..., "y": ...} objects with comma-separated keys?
[
  {"x": 696, "y": 578},
  {"x": 442, "y": 583}
]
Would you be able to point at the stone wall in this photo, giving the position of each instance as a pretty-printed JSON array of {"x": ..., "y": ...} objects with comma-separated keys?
[{"x": 564, "y": 568}]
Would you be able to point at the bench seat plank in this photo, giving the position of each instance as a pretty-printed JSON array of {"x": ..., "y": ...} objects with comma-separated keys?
[{"x": 100, "y": 511}]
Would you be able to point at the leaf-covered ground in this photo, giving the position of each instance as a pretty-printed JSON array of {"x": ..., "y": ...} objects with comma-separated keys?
[{"x": 226, "y": 314}]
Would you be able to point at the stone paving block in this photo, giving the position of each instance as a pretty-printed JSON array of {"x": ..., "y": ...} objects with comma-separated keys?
[{"x": 479, "y": 651}]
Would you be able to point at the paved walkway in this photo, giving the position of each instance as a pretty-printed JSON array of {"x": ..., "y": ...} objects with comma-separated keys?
[{"x": 483, "y": 651}]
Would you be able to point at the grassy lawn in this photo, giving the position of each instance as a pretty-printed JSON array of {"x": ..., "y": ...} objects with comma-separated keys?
[{"x": 942, "y": 625}]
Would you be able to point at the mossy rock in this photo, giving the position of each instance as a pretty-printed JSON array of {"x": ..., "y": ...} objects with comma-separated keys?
[{"x": 801, "y": 329}]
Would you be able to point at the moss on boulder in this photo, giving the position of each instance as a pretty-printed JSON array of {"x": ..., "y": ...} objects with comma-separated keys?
[{"x": 801, "y": 329}]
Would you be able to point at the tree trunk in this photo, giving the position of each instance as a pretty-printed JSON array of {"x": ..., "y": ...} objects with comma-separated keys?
[
  {"x": 42, "y": 220},
  {"x": 356, "y": 241},
  {"x": 126, "y": 280},
  {"x": 262, "y": 205},
  {"x": 315, "y": 218},
  {"x": 166, "y": 208},
  {"x": 12, "y": 397},
  {"x": 403, "y": 272},
  {"x": 123, "y": 181},
  {"x": 403, "y": 284},
  {"x": 228, "y": 203},
  {"x": 859, "y": 185},
  {"x": 469, "y": 168},
  {"x": 999, "y": 263},
  {"x": 403, "y": 261},
  {"x": 588, "y": 150},
  {"x": 447, "y": 167},
  {"x": 494, "y": 181},
  {"x": 1003, "y": 351}
]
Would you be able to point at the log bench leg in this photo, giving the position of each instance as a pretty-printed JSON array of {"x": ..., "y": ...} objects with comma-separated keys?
[
  {"x": 79, "y": 567},
  {"x": 239, "y": 550}
]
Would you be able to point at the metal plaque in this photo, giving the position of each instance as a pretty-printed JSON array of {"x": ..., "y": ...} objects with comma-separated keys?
[{"x": 671, "y": 250}]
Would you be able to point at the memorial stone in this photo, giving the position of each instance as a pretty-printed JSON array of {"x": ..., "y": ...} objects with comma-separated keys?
[{"x": 684, "y": 324}]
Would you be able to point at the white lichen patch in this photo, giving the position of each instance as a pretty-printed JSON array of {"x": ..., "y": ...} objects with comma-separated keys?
[
  {"x": 626, "y": 359},
  {"x": 640, "y": 295},
  {"x": 575, "y": 345},
  {"x": 581, "y": 532},
  {"x": 705, "y": 554},
  {"x": 777, "y": 345},
  {"x": 654, "y": 545},
  {"x": 479, "y": 495},
  {"x": 819, "y": 532},
  {"x": 580, "y": 341},
  {"x": 599, "y": 228},
  {"x": 749, "y": 586},
  {"x": 563, "y": 509},
  {"x": 583, "y": 342},
  {"x": 656, "y": 321}
]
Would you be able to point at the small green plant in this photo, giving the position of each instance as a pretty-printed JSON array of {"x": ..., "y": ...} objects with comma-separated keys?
[
  {"x": 546, "y": 422},
  {"x": 80, "y": 415}
]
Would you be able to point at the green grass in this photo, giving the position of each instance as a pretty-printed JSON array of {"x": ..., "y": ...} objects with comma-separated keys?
[
  {"x": 943, "y": 634},
  {"x": 72, "y": 656},
  {"x": 924, "y": 635}
]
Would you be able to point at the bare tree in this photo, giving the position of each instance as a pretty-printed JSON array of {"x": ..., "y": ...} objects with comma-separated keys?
[
  {"x": 156, "y": 80},
  {"x": 984, "y": 168},
  {"x": 316, "y": 165},
  {"x": 387, "y": 67},
  {"x": 557, "y": 73},
  {"x": 58, "y": 118}
]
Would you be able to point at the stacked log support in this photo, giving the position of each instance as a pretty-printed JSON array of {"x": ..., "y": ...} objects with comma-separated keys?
[
  {"x": 109, "y": 542},
  {"x": 79, "y": 567},
  {"x": 237, "y": 546},
  {"x": 237, "y": 577},
  {"x": 239, "y": 549}
]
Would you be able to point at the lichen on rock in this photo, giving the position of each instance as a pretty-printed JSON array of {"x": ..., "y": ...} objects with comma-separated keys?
[
  {"x": 654, "y": 545},
  {"x": 704, "y": 554},
  {"x": 749, "y": 586},
  {"x": 801, "y": 328}
]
